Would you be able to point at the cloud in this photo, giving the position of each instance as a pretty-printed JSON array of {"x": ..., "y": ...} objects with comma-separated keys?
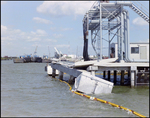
[
  {"x": 41, "y": 20},
  {"x": 63, "y": 8},
  {"x": 39, "y": 33},
  {"x": 3, "y": 28},
  {"x": 139, "y": 21},
  {"x": 8, "y": 34}
]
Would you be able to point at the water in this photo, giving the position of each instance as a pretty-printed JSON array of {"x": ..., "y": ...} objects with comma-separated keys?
[{"x": 27, "y": 90}]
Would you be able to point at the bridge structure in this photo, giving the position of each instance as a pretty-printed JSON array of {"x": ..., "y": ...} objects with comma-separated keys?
[{"x": 113, "y": 20}]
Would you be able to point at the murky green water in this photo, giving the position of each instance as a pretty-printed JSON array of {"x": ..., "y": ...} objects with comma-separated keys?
[{"x": 27, "y": 90}]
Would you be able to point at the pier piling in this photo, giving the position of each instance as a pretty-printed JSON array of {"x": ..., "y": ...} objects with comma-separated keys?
[
  {"x": 53, "y": 72},
  {"x": 133, "y": 75},
  {"x": 61, "y": 75},
  {"x": 109, "y": 75},
  {"x": 71, "y": 80},
  {"x": 104, "y": 74},
  {"x": 93, "y": 73},
  {"x": 122, "y": 77},
  {"x": 115, "y": 76}
]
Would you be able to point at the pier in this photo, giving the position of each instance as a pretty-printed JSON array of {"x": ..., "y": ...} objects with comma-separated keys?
[
  {"x": 135, "y": 70},
  {"x": 113, "y": 19}
]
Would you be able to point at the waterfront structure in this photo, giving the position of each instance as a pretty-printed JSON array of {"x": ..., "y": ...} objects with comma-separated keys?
[{"x": 108, "y": 17}]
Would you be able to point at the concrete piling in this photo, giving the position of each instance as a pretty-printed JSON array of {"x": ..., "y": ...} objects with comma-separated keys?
[
  {"x": 93, "y": 73},
  {"x": 53, "y": 72},
  {"x": 133, "y": 75},
  {"x": 109, "y": 75},
  {"x": 122, "y": 77},
  {"x": 61, "y": 75},
  {"x": 71, "y": 80},
  {"x": 115, "y": 77},
  {"x": 104, "y": 74}
]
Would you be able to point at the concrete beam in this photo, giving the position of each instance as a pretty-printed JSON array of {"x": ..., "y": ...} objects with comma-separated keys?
[
  {"x": 102, "y": 68},
  {"x": 70, "y": 71},
  {"x": 92, "y": 68}
]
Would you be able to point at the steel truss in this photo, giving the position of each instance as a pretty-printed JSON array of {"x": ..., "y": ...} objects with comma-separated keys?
[{"x": 113, "y": 19}]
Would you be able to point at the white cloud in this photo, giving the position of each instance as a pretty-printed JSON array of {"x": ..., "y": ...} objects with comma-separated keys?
[
  {"x": 39, "y": 32},
  {"x": 41, "y": 20},
  {"x": 8, "y": 34},
  {"x": 3, "y": 28},
  {"x": 139, "y": 21},
  {"x": 62, "y": 8}
]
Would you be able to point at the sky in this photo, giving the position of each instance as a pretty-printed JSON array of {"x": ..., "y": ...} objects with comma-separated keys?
[{"x": 26, "y": 25}]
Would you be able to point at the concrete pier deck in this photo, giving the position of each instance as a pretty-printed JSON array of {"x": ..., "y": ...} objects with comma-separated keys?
[{"x": 104, "y": 65}]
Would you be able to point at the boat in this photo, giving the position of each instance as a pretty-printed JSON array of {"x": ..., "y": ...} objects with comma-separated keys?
[
  {"x": 23, "y": 59},
  {"x": 27, "y": 58},
  {"x": 18, "y": 60},
  {"x": 46, "y": 59},
  {"x": 36, "y": 58}
]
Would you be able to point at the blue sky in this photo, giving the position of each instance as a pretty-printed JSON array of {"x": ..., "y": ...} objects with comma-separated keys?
[{"x": 27, "y": 24}]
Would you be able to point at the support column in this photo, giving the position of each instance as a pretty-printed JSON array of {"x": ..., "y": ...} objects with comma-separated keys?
[
  {"x": 104, "y": 74},
  {"x": 133, "y": 75},
  {"x": 122, "y": 77},
  {"x": 71, "y": 80},
  {"x": 121, "y": 38},
  {"x": 115, "y": 77},
  {"x": 118, "y": 38},
  {"x": 109, "y": 75},
  {"x": 100, "y": 58},
  {"x": 61, "y": 75},
  {"x": 129, "y": 75},
  {"x": 109, "y": 39},
  {"x": 93, "y": 73},
  {"x": 53, "y": 72}
]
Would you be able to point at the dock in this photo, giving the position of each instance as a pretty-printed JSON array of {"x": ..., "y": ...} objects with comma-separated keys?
[{"x": 135, "y": 70}]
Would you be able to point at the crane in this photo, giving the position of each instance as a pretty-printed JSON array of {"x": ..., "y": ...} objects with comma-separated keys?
[{"x": 35, "y": 51}]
